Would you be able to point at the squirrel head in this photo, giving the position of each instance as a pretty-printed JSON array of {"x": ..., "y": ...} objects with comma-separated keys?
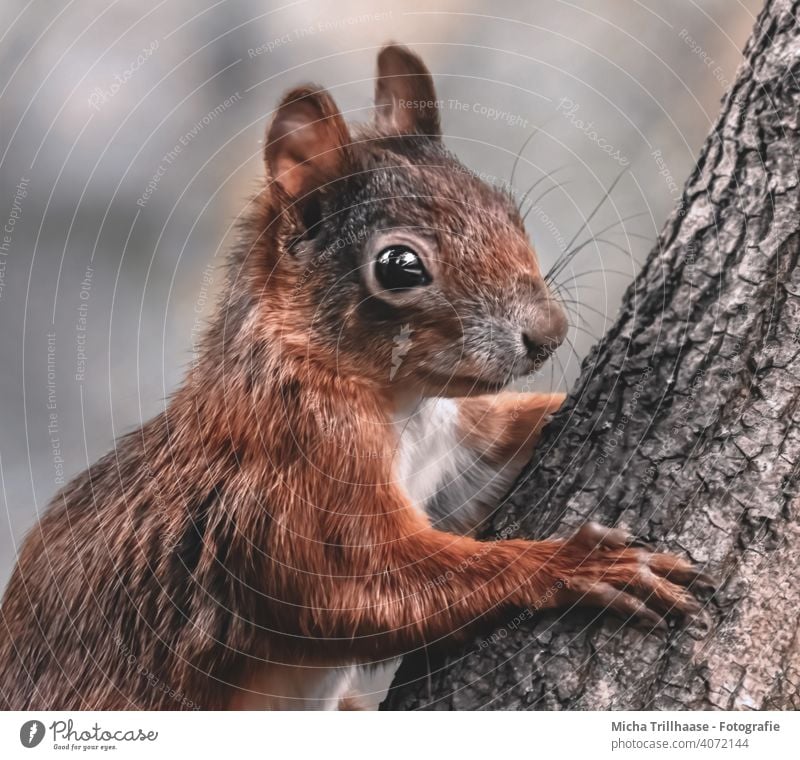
[{"x": 389, "y": 256}]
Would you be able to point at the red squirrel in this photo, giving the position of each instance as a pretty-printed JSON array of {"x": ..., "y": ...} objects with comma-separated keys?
[{"x": 302, "y": 513}]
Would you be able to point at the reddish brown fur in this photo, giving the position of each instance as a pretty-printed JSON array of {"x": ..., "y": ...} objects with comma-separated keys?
[{"x": 258, "y": 519}]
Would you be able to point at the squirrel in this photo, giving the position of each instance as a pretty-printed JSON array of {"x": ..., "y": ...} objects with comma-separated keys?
[{"x": 304, "y": 511}]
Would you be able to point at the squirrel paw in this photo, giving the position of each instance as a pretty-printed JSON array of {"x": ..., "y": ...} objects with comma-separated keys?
[{"x": 614, "y": 571}]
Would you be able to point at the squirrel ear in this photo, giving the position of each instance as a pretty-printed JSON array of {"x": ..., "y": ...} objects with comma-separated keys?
[
  {"x": 405, "y": 98},
  {"x": 306, "y": 142}
]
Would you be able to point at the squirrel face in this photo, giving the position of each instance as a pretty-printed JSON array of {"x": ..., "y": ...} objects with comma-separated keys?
[{"x": 409, "y": 268}]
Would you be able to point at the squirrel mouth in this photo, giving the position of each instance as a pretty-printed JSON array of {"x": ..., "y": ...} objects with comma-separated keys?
[{"x": 466, "y": 383}]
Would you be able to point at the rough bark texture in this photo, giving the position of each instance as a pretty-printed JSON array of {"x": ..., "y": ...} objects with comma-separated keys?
[{"x": 685, "y": 428}]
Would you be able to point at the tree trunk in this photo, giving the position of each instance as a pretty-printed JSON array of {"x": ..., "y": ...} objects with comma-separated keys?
[{"x": 685, "y": 429}]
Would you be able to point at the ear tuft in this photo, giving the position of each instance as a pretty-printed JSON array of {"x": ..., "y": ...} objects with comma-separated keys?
[
  {"x": 307, "y": 142},
  {"x": 405, "y": 98}
]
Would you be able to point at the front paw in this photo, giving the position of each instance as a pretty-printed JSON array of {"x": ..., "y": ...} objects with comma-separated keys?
[
  {"x": 605, "y": 568},
  {"x": 554, "y": 402}
]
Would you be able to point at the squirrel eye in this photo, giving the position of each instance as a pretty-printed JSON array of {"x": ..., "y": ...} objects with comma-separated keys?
[{"x": 399, "y": 268}]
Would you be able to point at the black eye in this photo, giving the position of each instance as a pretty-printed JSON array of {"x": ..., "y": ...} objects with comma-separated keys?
[{"x": 399, "y": 268}]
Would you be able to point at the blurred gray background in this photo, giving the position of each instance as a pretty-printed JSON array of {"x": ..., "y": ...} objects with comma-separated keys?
[{"x": 130, "y": 137}]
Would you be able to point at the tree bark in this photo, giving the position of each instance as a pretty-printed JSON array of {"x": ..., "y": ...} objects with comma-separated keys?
[{"x": 684, "y": 428}]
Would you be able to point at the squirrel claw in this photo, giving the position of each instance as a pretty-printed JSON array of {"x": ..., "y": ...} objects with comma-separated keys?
[
  {"x": 705, "y": 583},
  {"x": 682, "y": 572},
  {"x": 624, "y": 604},
  {"x": 637, "y": 542}
]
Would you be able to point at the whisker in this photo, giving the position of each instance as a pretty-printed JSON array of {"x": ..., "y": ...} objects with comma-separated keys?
[
  {"x": 595, "y": 270},
  {"x": 622, "y": 221},
  {"x": 555, "y": 357},
  {"x": 559, "y": 290},
  {"x": 625, "y": 251},
  {"x": 611, "y": 243},
  {"x": 583, "y": 287},
  {"x": 570, "y": 252},
  {"x": 628, "y": 233},
  {"x": 568, "y": 284},
  {"x": 530, "y": 137},
  {"x": 538, "y": 182},
  {"x": 574, "y": 350},
  {"x": 587, "y": 332},
  {"x": 582, "y": 329},
  {"x": 535, "y": 203},
  {"x": 597, "y": 207},
  {"x": 570, "y": 305},
  {"x": 585, "y": 306}
]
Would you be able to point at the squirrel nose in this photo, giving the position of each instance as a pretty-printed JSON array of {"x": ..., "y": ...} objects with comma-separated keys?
[{"x": 546, "y": 333}]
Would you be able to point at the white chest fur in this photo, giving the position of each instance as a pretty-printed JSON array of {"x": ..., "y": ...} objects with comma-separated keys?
[
  {"x": 427, "y": 447},
  {"x": 442, "y": 476}
]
